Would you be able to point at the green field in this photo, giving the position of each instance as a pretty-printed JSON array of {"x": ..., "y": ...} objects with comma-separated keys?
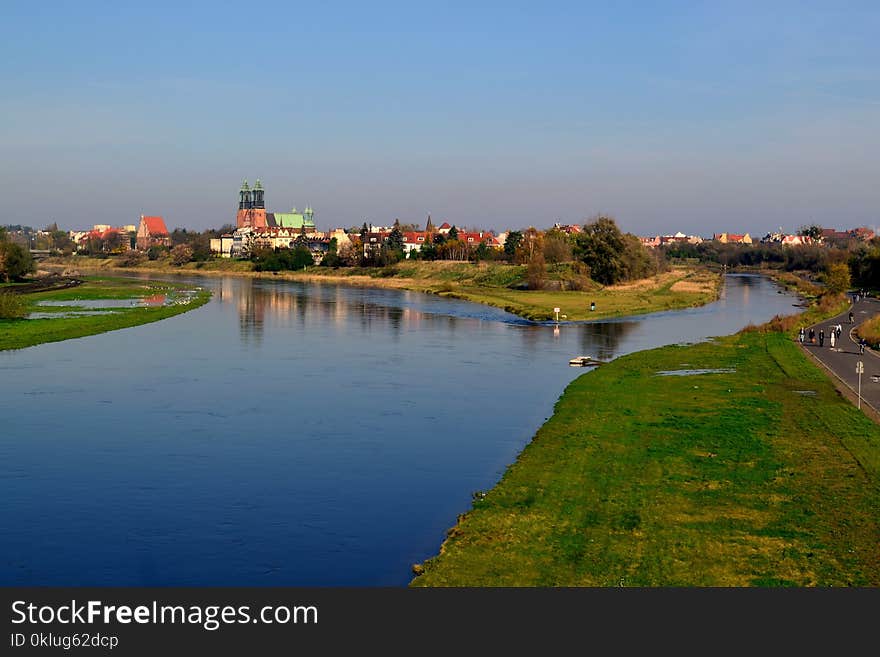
[
  {"x": 763, "y": 476},
  {"x": 20, "y": 333}
]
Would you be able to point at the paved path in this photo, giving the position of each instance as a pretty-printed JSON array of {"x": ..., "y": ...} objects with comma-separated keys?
[{"x": 842, "y": 359}]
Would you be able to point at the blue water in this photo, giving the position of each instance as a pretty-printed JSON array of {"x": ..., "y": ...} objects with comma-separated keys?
[{"x": 287, "y": 434}]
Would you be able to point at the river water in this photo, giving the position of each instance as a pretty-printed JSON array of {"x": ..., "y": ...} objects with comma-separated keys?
[{"x": 288, "y": 434}]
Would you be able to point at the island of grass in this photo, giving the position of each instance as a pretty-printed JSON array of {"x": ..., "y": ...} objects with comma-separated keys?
[
  {"x": 491, "y": 283},
  {"x": 727, "y": 463},
  {"x": 96, "y": 305}
]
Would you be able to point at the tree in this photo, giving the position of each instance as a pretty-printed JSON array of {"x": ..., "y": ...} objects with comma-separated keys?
[
  {"x": 536, "y": 273},
  {"x": 813, "y": 230},
  {"x": 115, "y": 241},
  {"x": 61, "y": 241},
  {"x": 428, "y": 251},
  {"x": 481, "y": 252},
  {"x": 181, "y": 254},
  {"x": 837, "y": 278},
  {"x": 16, "y": 262},
  {"x": 180, "y": 236},
  {"x": 600, "y": 246},
  {"x": 511, "y": 244},
  {"x": 300, "y": 257},
  {"x": 452, "y": 234},
  {"x": 395, "y": 240},
  {"x": 637, "y": 261},
  {"x": 331, "y": 258},
  {"x": 557, "y": 247},
  {"x": 201, "y": 247},
  {"x": 532, "y": 242}
]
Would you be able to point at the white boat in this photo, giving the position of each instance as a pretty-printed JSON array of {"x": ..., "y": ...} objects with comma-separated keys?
[{"x": 583, "y": 361}]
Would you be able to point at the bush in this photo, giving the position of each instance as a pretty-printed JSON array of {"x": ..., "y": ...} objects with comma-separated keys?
[
  {"x": 283, "y": 259},
  {"x": 131, "y": 258},
  {"x": 12, "y": 306},
  {"x": 181, "y": 254},
  {"x": 536, "y": 274}
]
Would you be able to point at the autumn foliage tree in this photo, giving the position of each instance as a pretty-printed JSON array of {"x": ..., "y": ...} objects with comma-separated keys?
[{"x": 181, "y": 254}]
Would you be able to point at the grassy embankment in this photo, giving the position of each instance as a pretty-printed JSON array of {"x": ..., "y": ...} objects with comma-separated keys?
[
  {"x": 494, "y": 284},
  {"x": 20, "y": 333},
  {"x": 761, "y": 476},
  {"x": 870, "y": 330}
]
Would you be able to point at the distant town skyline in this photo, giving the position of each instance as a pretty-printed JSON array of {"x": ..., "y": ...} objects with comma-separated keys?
[{"x": 737, "y": 117}]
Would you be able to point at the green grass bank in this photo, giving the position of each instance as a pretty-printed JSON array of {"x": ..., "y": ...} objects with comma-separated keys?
[
  {"x": 20, "y": 333},
  {"x": 758, "y": 476}
]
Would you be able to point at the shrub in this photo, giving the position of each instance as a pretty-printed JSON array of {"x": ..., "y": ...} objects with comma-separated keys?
[
  {"x": 131, "y": 258},
  {"x": 12, "y": 306},
  {"x": 181, "y": 254}
]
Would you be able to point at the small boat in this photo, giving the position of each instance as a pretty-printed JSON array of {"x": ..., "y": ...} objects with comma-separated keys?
[{"x": 583, "y": 361}]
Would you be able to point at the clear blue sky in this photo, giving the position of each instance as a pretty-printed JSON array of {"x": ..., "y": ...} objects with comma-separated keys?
[{"x": 692, "y": 116}]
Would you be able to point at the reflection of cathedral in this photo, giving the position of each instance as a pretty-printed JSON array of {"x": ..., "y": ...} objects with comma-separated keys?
[{"x": 252, "y": 212}]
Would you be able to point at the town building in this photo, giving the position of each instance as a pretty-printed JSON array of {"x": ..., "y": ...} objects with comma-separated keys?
[
  {"x": 732, "y": 238},
  {"x": 661, "y": 240},
  {"x": 152, "y": 232},
  {"x": 252, "y": 212},
  {"x": 110, "y": 238}
]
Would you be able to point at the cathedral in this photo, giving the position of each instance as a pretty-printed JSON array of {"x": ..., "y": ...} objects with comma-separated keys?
[{"x": 252, "y": 212}]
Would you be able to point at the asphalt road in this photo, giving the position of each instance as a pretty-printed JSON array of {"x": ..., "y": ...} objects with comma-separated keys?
[{"x": 841, "y": 360}]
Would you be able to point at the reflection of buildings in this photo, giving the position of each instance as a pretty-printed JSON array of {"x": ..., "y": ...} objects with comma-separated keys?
[{"x": 288, "y": 305}]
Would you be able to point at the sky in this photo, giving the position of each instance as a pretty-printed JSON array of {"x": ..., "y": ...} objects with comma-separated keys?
[{"x": 698, "y": 117}]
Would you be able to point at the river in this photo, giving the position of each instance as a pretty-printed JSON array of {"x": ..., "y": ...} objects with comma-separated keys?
[{"x": 288, "y": 434}]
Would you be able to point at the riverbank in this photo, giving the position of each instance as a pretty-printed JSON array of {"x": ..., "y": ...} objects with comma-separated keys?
[
  {"x": 758, "y": 473},
  {"x": 75, "y": 312},
  {"x": 485, "y": 283}
]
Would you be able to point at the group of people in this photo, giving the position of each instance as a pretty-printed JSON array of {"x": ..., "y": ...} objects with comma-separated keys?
[{"x": 833, "y": 337}]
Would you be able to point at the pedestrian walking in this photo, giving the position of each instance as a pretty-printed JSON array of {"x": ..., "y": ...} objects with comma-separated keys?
[
  {"x": 832, "y": 338},
  {"x": 821, "y": 337},
  {"x": 839, "y": 331},
  {"x": 812, "y": 335},
  {"x": 801, "y": 335},
  {"x": 850, "y": 317},
  {"x": 862, "y": 342}
]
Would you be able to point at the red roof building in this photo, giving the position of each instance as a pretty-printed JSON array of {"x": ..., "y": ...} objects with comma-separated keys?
[{"x": 152, "y": 232}]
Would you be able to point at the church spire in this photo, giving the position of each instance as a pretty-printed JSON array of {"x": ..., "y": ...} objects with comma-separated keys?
[{"x": 244, "y": 195}]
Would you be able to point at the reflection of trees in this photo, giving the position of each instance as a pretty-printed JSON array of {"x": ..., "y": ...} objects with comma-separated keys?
[
  {"x": 286, "y": 304},
  {"x": 602, "y": 339}
]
